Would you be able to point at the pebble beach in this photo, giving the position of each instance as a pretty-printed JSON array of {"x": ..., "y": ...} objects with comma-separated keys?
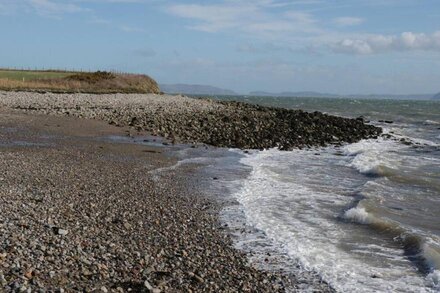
[{"x": 81, "y": 214}]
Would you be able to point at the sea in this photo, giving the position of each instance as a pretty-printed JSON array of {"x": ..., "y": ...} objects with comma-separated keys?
[{"x": 362, "y": 217}]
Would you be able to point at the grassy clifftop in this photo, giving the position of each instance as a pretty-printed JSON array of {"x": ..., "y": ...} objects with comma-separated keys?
[{"x": 74, "y": 82}]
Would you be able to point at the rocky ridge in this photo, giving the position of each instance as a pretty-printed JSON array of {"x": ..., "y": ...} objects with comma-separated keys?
[
  {"x": 79, "y": 214},
  {"x": 183, "y": 119}
]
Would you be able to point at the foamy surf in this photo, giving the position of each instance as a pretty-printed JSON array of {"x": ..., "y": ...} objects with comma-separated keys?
[
  {"x": 359, "y": 215},
  {"x": 365, "y": 216},
  {"x": 431, "y": 122},
  {"x": 374, "y": 157},
  {"x": 423, "y": 254},
  {"x": 434, "y": 280},
  {"x": 296, "y": 199}
]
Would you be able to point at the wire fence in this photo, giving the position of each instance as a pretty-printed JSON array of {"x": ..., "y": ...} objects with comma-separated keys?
[{"x": 65, "y": 70}]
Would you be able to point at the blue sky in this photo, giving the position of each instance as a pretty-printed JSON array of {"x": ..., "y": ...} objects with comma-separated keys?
[{"x": 334, "y": 46}]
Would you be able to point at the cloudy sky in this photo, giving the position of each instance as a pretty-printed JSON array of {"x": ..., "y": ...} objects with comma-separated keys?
[{"x": 335, "y": 46}]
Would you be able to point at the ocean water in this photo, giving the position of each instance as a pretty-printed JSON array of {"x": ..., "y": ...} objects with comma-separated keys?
[{"x": 363, "y": 217}]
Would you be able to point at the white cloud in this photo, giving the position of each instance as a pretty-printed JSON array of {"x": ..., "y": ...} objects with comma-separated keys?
[
  {"x": 353, "y": 47},
  {"x": 52, "y": 8},
  {"x": 213, "y": 18},
  {"x": 255, "y": 17},
  {"x": 263, "y": 21},
  {"x": 374, "y": 44},
  {"x": 348, "y": 21},
  {"x": 57, "y": 8}
]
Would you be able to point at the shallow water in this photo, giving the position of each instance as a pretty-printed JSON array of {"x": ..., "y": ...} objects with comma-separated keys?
[{"x": 364, "y": 217}]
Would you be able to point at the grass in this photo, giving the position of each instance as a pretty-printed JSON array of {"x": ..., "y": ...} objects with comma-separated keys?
[
  {"x": 74, "y": 82},
  {"x": 31, "y": 74}
]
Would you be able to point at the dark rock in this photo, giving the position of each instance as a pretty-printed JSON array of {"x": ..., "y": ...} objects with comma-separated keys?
[{"x": 152, "y": 151}]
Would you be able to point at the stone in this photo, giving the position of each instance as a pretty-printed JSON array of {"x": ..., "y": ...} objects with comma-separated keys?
[
  {"x": 148, "y": 285},
  {"x": 62, "y": 232},
  {"x": 3, "y": 281},
  {"x": 29, "y": 274}
]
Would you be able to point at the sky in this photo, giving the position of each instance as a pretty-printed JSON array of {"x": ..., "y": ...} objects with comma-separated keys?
[{"x": 331, "y": 46}]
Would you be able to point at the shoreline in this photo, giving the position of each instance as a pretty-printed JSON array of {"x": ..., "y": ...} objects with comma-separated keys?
[
  {"x": 82, "y": 213},
  {"x": 220, "y": 174},
  {"x": 188, "y": 120},
  {"x": 53, "y": 127}
]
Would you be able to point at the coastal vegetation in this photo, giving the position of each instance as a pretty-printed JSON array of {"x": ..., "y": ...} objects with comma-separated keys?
[{"x": 56, "y": 81}]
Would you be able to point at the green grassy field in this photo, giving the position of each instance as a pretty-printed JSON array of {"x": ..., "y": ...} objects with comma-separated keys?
[{"x": 28, "y": 75}]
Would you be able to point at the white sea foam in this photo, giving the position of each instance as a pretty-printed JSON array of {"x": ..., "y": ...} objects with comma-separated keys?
[
  {"x": 197, "y": 160},
  {"x": 358, "y": 215},
  {"x": 374, "y": 156},
  {"x": 421, "y": 141},
  {"x": 295, "y": 199},
  {"x": 433, "y": 280},
  {"x": 431, "y": 122},
  {"x": 409, "y": 133}
]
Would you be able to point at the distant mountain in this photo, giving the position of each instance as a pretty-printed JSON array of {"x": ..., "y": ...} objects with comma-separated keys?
[
  {"x": 393, "y": 97},
  {"x": 195, "y": 89},
  {"x": 295, "y": 94},
  {"x": 325, "y": 95}
]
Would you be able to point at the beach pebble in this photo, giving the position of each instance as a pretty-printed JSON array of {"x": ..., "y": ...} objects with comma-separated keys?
[
  {"x": 80, "y": 218},
  {"x": 60, "y": 231},
  {"x": 148, "y": 285}
]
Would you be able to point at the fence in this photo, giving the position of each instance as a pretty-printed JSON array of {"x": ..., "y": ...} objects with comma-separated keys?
[{"x": 75, "y": 70}]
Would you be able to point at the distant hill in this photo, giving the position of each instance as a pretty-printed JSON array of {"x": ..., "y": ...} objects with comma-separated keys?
[
  {"x": 195, "y": 89},
  {"x": 393, "y": 97},
  {"x": 325, "y": 95},
  {"x": 294, "y": 94}
]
